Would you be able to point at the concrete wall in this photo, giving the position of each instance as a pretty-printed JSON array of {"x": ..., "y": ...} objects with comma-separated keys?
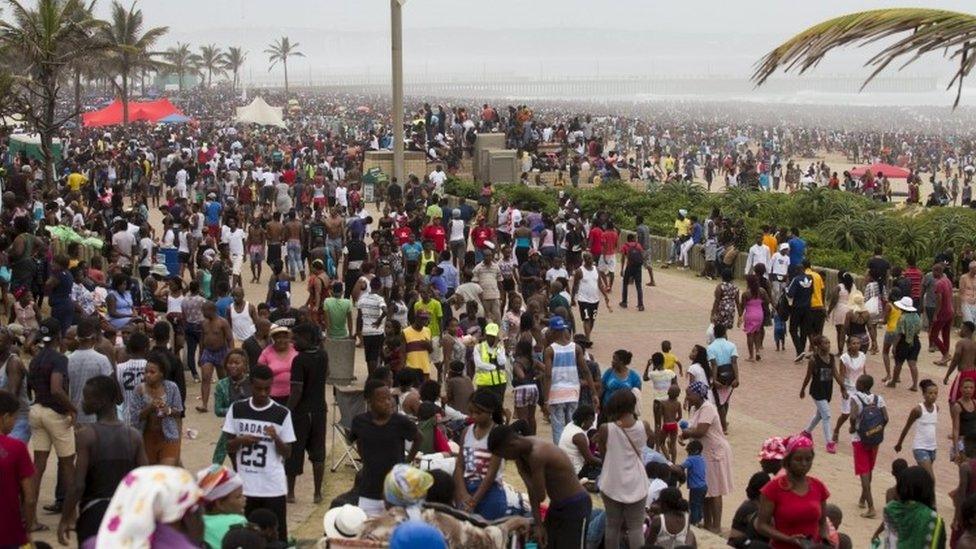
[{"x": 414, "y": 162}]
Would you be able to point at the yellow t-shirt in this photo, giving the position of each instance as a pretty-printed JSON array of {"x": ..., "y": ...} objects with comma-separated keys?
[
  {"x": 670, "y": 361},
  {"x": 76, "y": 180},
  {"x": 894, "y": 314},
  {"x": 816, "y": 300},
  {"x": 417, "y": 355},
  {"x": 682, "y": 226}
]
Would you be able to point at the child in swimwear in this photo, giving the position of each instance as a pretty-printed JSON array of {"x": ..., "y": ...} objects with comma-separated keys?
[
  {"x": 661, "y": 381},
  {"x": 670, "y": 416}
]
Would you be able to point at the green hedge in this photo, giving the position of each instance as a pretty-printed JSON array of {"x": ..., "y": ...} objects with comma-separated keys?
[{"x": 841, "y": 229}]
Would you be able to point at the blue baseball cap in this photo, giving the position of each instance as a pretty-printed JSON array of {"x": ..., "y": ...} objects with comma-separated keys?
[
  {"x": 414, "y": 534},
  {"x": 557, "y": 323}
]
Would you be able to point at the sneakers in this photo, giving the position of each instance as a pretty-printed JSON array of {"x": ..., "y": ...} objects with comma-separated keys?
[{"x": 831, "y": 447}]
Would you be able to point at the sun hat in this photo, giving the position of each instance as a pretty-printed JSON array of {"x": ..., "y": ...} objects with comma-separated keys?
[
  {"x": 159, "y": 270},
  {"x": 906, "y": 304},
  {"x": 344, "y": 522},
  {"x": 491, "y": 329},
  {"x": 856, "y": 302},
  {"x": 277, "y": 329},
  {"x": 784, "y": 246}
]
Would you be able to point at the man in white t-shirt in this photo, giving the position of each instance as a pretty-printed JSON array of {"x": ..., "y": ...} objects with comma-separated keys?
[
  {"x": 437, "y": 179},
  {"x": 260, "y": 434},
  {"x": 557, "y": 271},
  {"x": 234, "y": 237},
  {"x": 182, "y": 177}
]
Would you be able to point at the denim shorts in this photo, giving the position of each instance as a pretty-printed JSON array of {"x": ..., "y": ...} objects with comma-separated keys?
[{"x": 924, "y": 455}]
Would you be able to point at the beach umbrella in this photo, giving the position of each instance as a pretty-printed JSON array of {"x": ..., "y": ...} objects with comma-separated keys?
[{"x": 887, "y": 170}]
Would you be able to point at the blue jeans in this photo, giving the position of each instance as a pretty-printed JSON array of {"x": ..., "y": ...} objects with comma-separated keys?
[
  {"x": 560, "y": 415},
  {"x": 696, "y": 504},
  {"x": 494, "y": 504},
  {"x": 295, "y": 265},
  {"x": 21, "y": 430},
  {"x": 822, "y": 416}
]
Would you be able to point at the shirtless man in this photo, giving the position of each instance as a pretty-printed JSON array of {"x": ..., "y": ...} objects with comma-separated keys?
[
  {"x": 963, "y": 359},
  {"x": 318, "y": 285},
  {"x": 275, "y": 236},
  {"x": 256, "y": 238},
  {"x": 293, "y": 232},
  {"x": 335, "y": 229},
  {"x": 216, "y": 341},
  {"x": 546, "y": 471}
]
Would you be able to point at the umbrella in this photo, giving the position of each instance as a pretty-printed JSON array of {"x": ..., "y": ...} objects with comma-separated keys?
[
  {"x": 174, "y": 118},
  {"x": 887, "y": 170}
]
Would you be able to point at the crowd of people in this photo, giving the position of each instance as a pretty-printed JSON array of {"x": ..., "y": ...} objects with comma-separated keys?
[{"x": 165, "y": 250}]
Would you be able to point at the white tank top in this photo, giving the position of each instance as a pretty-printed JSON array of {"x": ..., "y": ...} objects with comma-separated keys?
[
  {"x": 925, "y": 428},
  {"x": 241, "y": 322},
  {"x": 589, "y": 286}
]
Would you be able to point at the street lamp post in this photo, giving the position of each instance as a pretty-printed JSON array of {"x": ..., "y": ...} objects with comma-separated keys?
[{"x": 396, "y": 34}]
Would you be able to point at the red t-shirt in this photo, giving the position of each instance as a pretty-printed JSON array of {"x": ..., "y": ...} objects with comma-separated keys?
[
  {"x": 610, "y": 242},
  {"x": 795, "y": 514},
  {"x": 402, "y": 235},
  {"x": 596, "y": 241},
  {"x": 435, "y": 233},
  {"x": 914, "y": 276},
  {"x": 943, "y": 288},
  {"x": 15, "y": 465},
  {"x": 480, "y": 235}
]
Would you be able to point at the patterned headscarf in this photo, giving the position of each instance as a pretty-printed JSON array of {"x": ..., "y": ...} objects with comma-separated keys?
[
  {"x": 406, "y": 486},
  {"x": 147, "y": 496},
  {"x": 698, "y": 388},
  {"x": 772, "y": 448},
  {"x": 217, "y": 482},
  {"x": 797, "y": 442}
]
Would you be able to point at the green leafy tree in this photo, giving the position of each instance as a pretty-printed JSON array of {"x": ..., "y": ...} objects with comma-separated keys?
[
  {"x": 279, "y": 52},
  {"x": 233, "y": 62},
  {"x": 43, "y": 42},
  {"x": 212, "y": 60},
  {"x": 127, "y": 48},
  {"x": 918, "y": 31}
]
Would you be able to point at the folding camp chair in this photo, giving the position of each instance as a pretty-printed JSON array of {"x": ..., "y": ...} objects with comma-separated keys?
[{"x": 348, "y": 402}]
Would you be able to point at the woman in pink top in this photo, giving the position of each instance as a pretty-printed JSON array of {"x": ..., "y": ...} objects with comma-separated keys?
[{"x": 278, "y": 357}]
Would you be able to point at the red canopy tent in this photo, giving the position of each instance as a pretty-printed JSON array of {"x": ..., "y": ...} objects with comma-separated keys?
[
  {"x": 151, "y": 111},
  {"x": 892, "y": 172}
]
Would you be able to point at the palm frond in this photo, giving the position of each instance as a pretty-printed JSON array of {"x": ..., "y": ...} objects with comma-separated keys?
[{"x": 928, "y": 30}]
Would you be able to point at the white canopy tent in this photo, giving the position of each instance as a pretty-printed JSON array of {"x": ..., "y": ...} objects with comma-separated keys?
[{"x": 259, "y": 112}]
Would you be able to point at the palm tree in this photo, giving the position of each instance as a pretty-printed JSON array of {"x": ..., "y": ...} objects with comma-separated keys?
[
  {"x": 44, "y": 41},
  {"x": 927, "y": 30},
  {"x": 212, "y": 60},
  {"x": 127, "y": 48},
  {"x": 181, "y": 61},
  {"x": 233, "y": 61},
  {"x": 281, "y": 51}
]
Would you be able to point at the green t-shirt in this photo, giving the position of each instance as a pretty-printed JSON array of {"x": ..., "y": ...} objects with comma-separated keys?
[
  {"x": 216, "y": 526},
  {"x": 337, "y": 309},
  {"x": 433, "y": 308}
]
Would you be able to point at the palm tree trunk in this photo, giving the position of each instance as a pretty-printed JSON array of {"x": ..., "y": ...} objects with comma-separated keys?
[
  {"x": 125, "y": 98},
  {"x": 285, "y": 63},
  {"x": 47, "y": 129},
  {"x": 78, "y": 97}
]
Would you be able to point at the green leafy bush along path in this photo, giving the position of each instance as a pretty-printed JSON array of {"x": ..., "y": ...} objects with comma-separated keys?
[{"x": 841, "y": 229}]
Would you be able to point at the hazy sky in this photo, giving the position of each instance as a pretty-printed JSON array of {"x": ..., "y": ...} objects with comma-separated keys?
[{"x": 517, "y": 37}]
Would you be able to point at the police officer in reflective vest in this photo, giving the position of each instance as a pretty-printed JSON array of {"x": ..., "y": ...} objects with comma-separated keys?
[{"x": 489, "y": 363}]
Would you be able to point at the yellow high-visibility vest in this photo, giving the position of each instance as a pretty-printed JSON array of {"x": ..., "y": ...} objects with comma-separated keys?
[{"x": 489, "y": 377}]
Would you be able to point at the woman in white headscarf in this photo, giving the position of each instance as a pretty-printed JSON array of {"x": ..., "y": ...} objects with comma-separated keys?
[
  {"x": 153, "y": 507},
  {"x": 223, "y": 498}
]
